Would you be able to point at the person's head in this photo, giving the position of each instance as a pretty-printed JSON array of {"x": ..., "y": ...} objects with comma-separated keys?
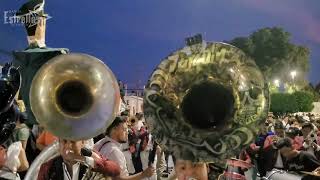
[
  {"x": 35, "y": 31},
  {"x": 296, "y": 123},
  {"x": 186, "y": 169},
  {"x": 118, "y": 130},
  {"x": 279, "y": 129},
  {"x": 306, "y": 129},
  {"x": 22, "y": 117},
  {"x": 292, "y": 132},
  {"x": 69, "y": 146},
  {"x": 285, "y": 147}
]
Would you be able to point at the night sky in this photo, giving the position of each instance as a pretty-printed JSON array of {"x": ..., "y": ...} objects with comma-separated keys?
[{"x": 132, "y": 36}]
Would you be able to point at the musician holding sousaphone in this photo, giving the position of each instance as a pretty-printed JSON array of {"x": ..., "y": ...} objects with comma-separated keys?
[
  {"x": 73, "y": 162},
  {"x": 110, "y": 147},
  {"x": 204, "y": 103}
]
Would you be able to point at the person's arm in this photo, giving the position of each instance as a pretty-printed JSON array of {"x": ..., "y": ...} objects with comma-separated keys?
[
  {"x": 103, "y": 165},
  {"x": 119, "y": 158},
  {"x": 3, "y": 156},
  {"x": 267, "y": 142},
  {"x": 24, "y": 164},
  {"x": 24, "y": 144}
]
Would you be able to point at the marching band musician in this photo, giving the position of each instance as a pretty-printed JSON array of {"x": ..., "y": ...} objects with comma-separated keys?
[
  {"x": 110, "y": 147},
  {"x": 72, "y": 164}
]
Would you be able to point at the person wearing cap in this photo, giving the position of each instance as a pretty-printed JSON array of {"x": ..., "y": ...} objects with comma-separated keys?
[
  {"x": 110, "y": 147},
  {"x": 293, "y": 134},
  {"x": 35, "y": 29},
  {"x": 73, "y": 163}
]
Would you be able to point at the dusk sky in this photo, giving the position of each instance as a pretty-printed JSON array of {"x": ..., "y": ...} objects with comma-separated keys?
[{"x": 132, "y": 36}]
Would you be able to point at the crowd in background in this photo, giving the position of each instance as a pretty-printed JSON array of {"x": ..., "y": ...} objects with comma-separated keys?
[
  {"x": 137, "y": 148},
  {"x": 288, "y": 142}
]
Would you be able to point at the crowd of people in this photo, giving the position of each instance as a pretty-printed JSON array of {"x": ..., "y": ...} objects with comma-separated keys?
[
  {"x": 288, "y": 142},
  {"x": 127, "y": 150}
]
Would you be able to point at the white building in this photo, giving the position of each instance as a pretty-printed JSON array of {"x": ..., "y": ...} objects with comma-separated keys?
[
  {"x": 316, "y": 108},
  {"x": 134, "y": 104}
]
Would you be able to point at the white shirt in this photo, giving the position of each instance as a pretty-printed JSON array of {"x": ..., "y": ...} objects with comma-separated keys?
[
  {"x": 75, "y": 172},
  {"x": 112, "y": 151},
  {"x": 89, "y": 161},
  {"x": 128, "y": 155}
]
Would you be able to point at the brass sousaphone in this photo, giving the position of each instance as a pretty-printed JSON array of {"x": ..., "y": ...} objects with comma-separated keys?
[
  {"x": 204, "y": 102},
  {"x": 74, "y": 96}
]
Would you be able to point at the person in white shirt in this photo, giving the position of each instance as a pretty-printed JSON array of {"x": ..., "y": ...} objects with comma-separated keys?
[
  {"x": 110, "y": 147},
  {"x": 15, "y": 161},
  {"x": 73, "y": 165}
]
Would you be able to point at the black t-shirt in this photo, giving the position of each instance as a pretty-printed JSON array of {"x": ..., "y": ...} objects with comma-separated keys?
[{"x": 305, "y": 161}]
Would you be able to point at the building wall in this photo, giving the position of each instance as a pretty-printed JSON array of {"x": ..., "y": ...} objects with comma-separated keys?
[{"x": 134, "y": 104}]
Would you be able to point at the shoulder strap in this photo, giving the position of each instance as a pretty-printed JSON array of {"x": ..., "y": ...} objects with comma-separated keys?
[{"x": 106, "y": 142}]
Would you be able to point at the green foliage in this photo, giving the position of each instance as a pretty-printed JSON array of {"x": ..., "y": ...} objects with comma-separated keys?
[
  {"x": 313, "y": 90},
  {"x": 304, "y": 100},
  {"x": 274, "y": 54},
  {"x": 283, "y": 103},
  {"x": 299, "y": 101}
]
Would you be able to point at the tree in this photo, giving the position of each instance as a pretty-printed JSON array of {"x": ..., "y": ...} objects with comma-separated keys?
[
  {"x": 283, "y": 103},
  {"x": 275, "y": 55},
  {"x": 317, "y": 88},
  {"x": 312, "y": 90},
  {"x": 304, "y": 100},
  {"x": 299, "y": 101}
]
